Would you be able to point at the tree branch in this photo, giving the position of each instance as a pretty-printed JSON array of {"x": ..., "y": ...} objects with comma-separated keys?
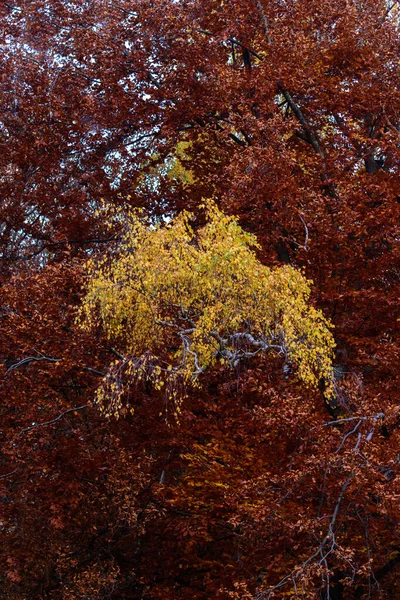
[
  {"x": 29, "y": 359},
  {"x": 264, "y": 21},
  {"x": 8, "y": 474},
  {"x": 389, "y": 10},
  {"x": 76, "y": 408},
  {"x": 311, "y": 136}
]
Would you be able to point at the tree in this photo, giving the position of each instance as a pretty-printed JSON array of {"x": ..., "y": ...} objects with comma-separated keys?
[
  {"x": 286, "y": 113},
  {"x": 179, "y": 302}
]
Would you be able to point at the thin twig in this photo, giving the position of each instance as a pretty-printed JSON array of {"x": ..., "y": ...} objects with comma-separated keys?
[
  {"x": 330, "y": 535},
  {"x": 8, "y": 474},
  {"x": 29, "y": 359},
  {"x": 306, "y": 232},
  {"x": 348, "y": 434},
  {"x": 340, "y": 421},
  {"x": 95, "y": 371},
  {"x": 76, "y": 408}
]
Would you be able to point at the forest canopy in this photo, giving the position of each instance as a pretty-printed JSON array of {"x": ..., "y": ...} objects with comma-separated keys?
[{"x": 269, "y": 317}]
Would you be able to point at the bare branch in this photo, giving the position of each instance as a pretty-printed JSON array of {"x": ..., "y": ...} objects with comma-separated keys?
[
  {"x": 29, "y": 359},
  {"x": 76, "y": 408},
  {"x": 306, "y": 233},
  {"x": 8, "y": 474},
  {"x": 348, "y": 434},
  {"x": 389, "y": 10},
  {"x": 116, "y": 353},
  {"x": 311, "y": 136},
  {"x": 329, "y": 537},
  {"x": 340, "y": 421},
  {"x": 95, "y": 371}
]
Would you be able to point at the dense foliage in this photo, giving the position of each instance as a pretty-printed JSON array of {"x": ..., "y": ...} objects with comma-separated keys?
[
  {"x": 180, "y": 303},
  {"x": 286, "y": 114}
]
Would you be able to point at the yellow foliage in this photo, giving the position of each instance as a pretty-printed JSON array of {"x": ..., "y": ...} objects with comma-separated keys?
[
  {"x": 176, "y": 170},
  {"x": 177, "y": 302}
]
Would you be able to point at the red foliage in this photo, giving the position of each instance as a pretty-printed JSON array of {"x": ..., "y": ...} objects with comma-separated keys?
[{"x": 292, "y": 114}]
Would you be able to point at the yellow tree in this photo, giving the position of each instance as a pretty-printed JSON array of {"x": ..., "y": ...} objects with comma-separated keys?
[{"x": 177, "y": 301}]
